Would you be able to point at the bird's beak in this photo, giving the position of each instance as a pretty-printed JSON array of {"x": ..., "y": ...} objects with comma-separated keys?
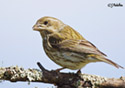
[{"x": 37, "y": 27}]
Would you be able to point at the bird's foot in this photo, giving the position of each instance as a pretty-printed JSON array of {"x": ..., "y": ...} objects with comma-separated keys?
[{"x": 59, "y": 69}]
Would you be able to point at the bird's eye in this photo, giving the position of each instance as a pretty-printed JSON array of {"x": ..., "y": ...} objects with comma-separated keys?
[{"x": 46, "y": 22}]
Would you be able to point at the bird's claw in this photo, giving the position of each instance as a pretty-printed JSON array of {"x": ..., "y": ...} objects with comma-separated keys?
[{"x": 58, "y": 70}]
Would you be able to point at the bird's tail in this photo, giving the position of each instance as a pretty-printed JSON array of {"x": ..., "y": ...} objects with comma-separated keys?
[{"x": 110, "y": 62}]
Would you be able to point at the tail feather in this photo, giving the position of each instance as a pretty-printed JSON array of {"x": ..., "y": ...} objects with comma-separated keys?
[{"x": 111, "y": 62}]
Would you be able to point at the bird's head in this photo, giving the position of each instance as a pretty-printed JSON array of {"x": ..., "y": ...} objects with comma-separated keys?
[{"x": 48, "y": 25}]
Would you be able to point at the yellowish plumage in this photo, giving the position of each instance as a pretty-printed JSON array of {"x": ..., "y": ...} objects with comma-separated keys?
[{"x": 66, "y": 47}]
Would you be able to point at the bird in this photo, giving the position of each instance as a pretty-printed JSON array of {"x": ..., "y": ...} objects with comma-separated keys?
[{"x": 66, "y": 47}]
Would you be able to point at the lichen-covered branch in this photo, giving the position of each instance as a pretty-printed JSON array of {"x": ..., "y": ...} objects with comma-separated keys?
[
  {"x": 15, "y": 73},
  {"x": 62, "y": 80}
]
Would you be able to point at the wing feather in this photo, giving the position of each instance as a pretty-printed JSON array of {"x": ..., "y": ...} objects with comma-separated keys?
[
  {"x": 83, "y": 47},
  {"x": 78, "y": 46}
]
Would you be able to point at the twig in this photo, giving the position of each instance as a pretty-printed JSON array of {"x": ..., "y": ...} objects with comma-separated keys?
[{"x": 61, "y": 80}]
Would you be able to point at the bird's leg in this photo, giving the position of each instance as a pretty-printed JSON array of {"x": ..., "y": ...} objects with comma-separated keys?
[
  {"x": 79, "y": 72},
  {"x": 59, "y": 69}
]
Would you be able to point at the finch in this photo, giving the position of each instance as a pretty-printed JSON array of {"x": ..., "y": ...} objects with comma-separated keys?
[{"x": 66, "y": 47}]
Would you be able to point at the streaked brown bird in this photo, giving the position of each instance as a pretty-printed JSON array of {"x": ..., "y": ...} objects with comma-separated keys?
[{"x": 66, "y": 47}]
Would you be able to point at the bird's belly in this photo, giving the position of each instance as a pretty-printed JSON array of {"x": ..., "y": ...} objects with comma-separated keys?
[{"x": 69, "y": 60}]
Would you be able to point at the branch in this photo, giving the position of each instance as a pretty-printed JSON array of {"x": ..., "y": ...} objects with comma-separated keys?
[{"x": 61, "y": 80}]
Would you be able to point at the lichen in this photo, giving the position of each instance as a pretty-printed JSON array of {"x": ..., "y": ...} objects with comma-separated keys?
[
  {"x": 33, "y": 74},
  {"x": 95, "y": 80},
  {"x": 2, "y": 70}
]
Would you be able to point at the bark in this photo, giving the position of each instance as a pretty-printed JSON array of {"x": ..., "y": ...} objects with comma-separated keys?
[{"x": 61, "y": 80}]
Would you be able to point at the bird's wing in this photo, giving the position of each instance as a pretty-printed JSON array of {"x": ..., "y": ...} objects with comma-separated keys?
[
  {"x": 78, "y": 46},
  {"x": 82, "y": 47}
]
